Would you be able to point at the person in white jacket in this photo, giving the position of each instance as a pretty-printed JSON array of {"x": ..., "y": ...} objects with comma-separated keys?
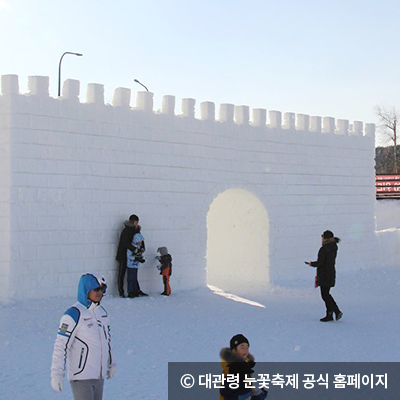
[{"x": 84, "y": 343}]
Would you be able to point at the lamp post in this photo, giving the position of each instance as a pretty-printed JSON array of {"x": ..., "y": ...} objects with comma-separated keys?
[
  {"x": 59, "y": 69},
  {"x": 135, "y": 80}
]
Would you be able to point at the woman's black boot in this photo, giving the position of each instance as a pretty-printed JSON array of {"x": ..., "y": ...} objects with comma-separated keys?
[{"x": 328, "y": 317}]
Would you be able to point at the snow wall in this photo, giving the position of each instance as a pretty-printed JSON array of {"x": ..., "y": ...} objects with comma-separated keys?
[
  {"x": 247, "y": 196},
  {"x": 387, "y": 214}
]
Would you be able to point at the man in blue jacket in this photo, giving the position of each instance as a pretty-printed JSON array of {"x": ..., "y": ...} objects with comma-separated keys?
[{"x": 84, "y": 340}]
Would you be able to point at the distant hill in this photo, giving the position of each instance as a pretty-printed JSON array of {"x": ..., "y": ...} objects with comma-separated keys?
[{"x": 384, "y": 160}]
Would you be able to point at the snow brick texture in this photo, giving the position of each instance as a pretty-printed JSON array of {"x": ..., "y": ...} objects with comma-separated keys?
[{"x": 72, "y": 172}]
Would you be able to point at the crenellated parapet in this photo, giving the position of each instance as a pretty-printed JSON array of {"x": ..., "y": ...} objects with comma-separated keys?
[
  {"x": 227, "y": 113},
  {"x": 72, "y": 170}
]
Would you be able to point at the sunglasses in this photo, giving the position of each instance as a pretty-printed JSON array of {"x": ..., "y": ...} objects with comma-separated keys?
[{"x": 100, "y": 288}]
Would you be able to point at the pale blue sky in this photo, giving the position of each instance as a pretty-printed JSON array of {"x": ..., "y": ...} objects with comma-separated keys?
[{"x": 335, "y": 58}]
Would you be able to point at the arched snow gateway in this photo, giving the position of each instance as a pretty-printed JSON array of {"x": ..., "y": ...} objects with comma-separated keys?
[{"x": 237, "y": 241}]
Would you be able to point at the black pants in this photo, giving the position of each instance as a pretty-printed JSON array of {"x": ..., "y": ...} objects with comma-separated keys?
[
  {"x": 330, "y": 303},
  {"x": 121, "y": 277}
]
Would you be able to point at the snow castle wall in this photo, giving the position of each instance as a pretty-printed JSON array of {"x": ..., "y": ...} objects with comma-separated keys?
[{"x": 72, "y": 172}]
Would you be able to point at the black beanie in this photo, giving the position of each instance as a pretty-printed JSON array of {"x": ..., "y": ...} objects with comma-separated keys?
[
  {"x": 238, "y": 339},
  {"x": 327, "y": 234}
]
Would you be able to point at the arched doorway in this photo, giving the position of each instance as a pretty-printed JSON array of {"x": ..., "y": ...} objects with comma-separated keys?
[{"x": 237, "y": 242}]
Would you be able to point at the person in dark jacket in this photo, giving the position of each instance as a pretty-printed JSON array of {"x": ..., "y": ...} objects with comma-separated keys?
[
  {"x": 326, "y": 273},
  {"x": 165, "y": 268},
  {"x": 237, "y": 360},
  {"x": 125, "y": 242}
]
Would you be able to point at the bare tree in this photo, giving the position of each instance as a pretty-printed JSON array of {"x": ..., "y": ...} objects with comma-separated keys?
[{"x": 388, "y": 120}]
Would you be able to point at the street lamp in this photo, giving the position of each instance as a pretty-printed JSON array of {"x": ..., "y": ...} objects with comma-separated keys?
[
  {"x": 59, "y": 69},
  {"x": 135, "y": 80}
]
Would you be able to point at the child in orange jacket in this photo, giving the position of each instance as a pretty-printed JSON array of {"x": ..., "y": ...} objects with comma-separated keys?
[{"x": 165, "y": 268}]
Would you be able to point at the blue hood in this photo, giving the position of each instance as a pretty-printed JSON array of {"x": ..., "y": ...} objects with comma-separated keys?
[{"x": 87, "y": 283}]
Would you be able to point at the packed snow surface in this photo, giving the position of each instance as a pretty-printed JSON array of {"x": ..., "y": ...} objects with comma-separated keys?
[{"x": 281, "y": 323}]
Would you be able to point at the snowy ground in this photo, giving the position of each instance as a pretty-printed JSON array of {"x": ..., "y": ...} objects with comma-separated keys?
[{"x": 193, "y": 326}]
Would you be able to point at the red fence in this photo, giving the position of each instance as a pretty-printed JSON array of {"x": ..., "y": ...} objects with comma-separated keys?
[{"x": 387, "y": 186}]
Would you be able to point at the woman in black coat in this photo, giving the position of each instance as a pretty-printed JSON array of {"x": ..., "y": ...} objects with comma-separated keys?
[{"x": 326, "y": 273}]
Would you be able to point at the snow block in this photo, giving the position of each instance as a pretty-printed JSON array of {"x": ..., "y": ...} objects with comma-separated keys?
[
  {"x": 289, "y": 121},
  {"x": 207, "y": 111},
  {"x": 121, "y": 97},
  {"x": 144, "y": 101},
  {"x": 357, "y": 128},
  {"x": 95, "y": 93},
  {"x": 9, "y": 84},
  {"x": 188, "y": 108},
  {"x": 168, "y": 105},
  {"x": 328, "y": 125},
  {"x": 71, "y": 89},
  {"x": 259, "y": 117},
  {"x": 303, "y": 122},
  {"x": 242, "y": 115},
  {"x": 38, "y": 85},
  {"x": 226, "y": 112},
  {"x": 275, "y": 119},
  {"x": 316, "y": 124},
  {"x": 342, "y": 127}
]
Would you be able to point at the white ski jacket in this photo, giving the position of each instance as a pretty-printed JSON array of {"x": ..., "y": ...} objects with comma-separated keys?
[{"x": 83, "y": 340}]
